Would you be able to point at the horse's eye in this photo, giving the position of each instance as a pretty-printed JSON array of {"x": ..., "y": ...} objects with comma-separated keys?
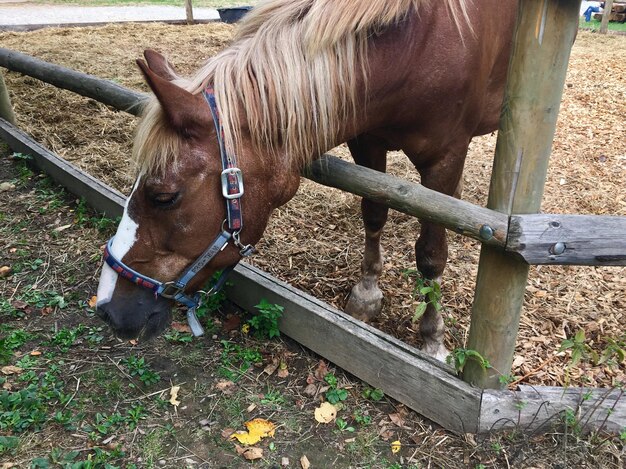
[{"x": 165, "y": 199}]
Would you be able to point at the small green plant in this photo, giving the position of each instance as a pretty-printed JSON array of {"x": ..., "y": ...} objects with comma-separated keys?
[
  {"x": 134, "y": 415},
  {"x": 622, "y": 435},
  {"x": 579, "y": 348},
  {"x": 8, "y": 444},
  {"x": 138, "y": 367},
  {"x": 373, "y": 394},
  {"x": 343, "y": 426},
  {"x": 362, "y": 418},
  {"x": 427, "y": 289},
  {"x": 13, "y": 341},
  {"x": 265, "y": 322},
  {"x": 236, "y": 360},
  {"x": 65, "y": 338},
  {"x": 334, "y": 395},
  {"x": 459, "y": 357},
  {"x": 175, "y": 336}
]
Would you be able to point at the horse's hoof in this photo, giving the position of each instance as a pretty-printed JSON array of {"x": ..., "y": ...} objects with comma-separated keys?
[
  {"x": 436, "y": 350},
  {"x": 364, "y": 304}
]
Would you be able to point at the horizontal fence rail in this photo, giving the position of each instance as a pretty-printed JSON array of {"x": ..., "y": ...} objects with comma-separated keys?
[{"x": 581, "y": 240}]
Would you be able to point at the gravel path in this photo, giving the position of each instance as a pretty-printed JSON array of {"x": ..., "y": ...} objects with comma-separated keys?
[{"x": 17, "y": 15}]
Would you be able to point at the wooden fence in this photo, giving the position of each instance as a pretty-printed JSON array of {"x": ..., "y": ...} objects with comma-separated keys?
[{"x": 512, "y": 233}]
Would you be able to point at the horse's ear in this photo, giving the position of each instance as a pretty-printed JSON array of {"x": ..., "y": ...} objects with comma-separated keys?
[
  {"x": 160, "y": 65},
  {"x": 185, "y": 111}
]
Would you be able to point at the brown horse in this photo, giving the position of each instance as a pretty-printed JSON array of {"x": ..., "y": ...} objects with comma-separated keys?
[{"x": 301, "y": 77}]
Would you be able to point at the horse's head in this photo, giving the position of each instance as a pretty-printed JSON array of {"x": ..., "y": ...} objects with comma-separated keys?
[{"x": 175, "y": 232}]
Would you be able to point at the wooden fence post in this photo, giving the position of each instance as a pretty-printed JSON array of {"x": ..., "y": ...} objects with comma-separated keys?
[
  {"x": 606, "y": 16},
  {"x": 544, "y": 35},
  {"x": 189, "y": 12},
  {"x": 6, "y": 110}
]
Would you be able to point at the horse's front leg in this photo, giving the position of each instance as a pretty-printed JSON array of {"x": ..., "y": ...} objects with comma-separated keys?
[
  {"x": 366, "y": 299},
  {"x": 431, "y": 248}
]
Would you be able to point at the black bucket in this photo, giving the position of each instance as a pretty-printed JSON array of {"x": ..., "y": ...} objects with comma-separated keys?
[{"x": 234, "y": 14}]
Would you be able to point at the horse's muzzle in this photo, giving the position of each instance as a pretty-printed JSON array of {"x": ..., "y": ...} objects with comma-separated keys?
[{"x": 140, "y": 316}]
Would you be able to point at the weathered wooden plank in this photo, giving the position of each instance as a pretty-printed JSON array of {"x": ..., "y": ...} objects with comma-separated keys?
[
  {"x": 97, "y": 194},
  {"x": 542, "y": 42},
  {"x": 568, "y": 239},
  {"x": 403, "y": 372},
  {"x": 104, "y": 91},
  {"x": 533, "y": 408},
  {"x": 411, "y": 198}
]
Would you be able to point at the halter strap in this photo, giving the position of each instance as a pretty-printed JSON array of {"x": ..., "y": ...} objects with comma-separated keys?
[{"x": 232, "y": 190}]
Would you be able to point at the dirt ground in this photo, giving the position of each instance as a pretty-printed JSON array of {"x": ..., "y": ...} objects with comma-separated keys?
[{"x": 315, "y": 243}]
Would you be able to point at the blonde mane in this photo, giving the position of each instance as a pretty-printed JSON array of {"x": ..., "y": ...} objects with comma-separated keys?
[{"x": 290, "y": 76}]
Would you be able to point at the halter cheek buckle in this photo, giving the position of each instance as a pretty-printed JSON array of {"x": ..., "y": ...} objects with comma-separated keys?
[
  {"x": 170, "y": 290},
  {"x": 232, "y": 178}
]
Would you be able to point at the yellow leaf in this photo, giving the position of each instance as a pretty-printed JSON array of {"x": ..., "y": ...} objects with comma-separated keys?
[
  {"x": 257, "y": 429},
  {"x": 395, "y": 446},
  {"x": 174, "y": 396},
  {"x": 245, "y": 329},
  {"x": 325, "y": 413},
  {"x": 246, "y": 438},
  {"x": 93, "y": 301},
  {"x": 304, "y": 462},
  {"x": 261, "y": 426}
]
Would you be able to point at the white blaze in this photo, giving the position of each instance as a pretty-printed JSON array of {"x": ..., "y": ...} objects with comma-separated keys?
[{"x": 125, "y": 237}]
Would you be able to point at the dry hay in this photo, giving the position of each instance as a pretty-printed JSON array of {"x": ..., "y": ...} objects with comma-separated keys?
[{"x": 315, "y": 241}]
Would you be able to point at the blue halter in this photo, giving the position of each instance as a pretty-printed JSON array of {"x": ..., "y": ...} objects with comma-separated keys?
[{"x": 232, "y": 190}]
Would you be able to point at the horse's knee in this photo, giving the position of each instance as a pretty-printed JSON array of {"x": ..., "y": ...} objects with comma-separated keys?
[{"x": 431, "y": 254}]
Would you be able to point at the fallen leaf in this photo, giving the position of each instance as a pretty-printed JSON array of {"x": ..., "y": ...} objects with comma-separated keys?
[
  {"x": 227, "y": 432},
  {"x": 397, "y": 420},
  {"x": 5, "y": 271},
  {"x": 257, "y": 430},
  {"x": 174, "y": 396},
  {"x": 250, "y": 408},
  {"x": 321, "y": 370},
  {"x": 310, "y": 379},
  {"x": 310, "y": 390},
  {"x": 11, "y": 370},
  {"x": 304, "y": 462},
  {"x": 249, "y": 453},
  {"x": 6, "y": 186},
  {"x": 282, "y": 370},
  {"x": 325, "y": 413},
  {"x": 226, "y": 387},
  {"x": 62, "y": 228},
  {"x": 93, "y": 301},
  {"x": 181, "y": 327},
  {"x": 133, "y": 341},
  {"x": 395, "y": 446},
  {"x": 284, "y": 462},
  {"x": 232, "y": 323},
  {"x": 46, "y": 310},
  {"x": 35, "y": 353},
  {"x": 19, "y": 304},
  {"x": 271, "y": 368}
]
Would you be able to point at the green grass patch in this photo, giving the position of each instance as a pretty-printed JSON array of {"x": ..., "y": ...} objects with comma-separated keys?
[{"x": 594, "y": 25}]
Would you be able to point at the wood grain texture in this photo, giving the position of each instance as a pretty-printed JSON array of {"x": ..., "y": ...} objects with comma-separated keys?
[
  {"x": 411, "y": 198},
  {"x": 537, "y": 408},
  {"x": 403, "y": 372},
  {"x": 587, "y": 239},
  {"x": 542, "y": 42},
  {"x": 104, "y": 91},
  {"x": 97, "y": 194}
]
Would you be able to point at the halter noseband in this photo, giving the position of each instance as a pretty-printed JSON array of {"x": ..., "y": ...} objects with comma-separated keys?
[{"x": 232, "y": 190}]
